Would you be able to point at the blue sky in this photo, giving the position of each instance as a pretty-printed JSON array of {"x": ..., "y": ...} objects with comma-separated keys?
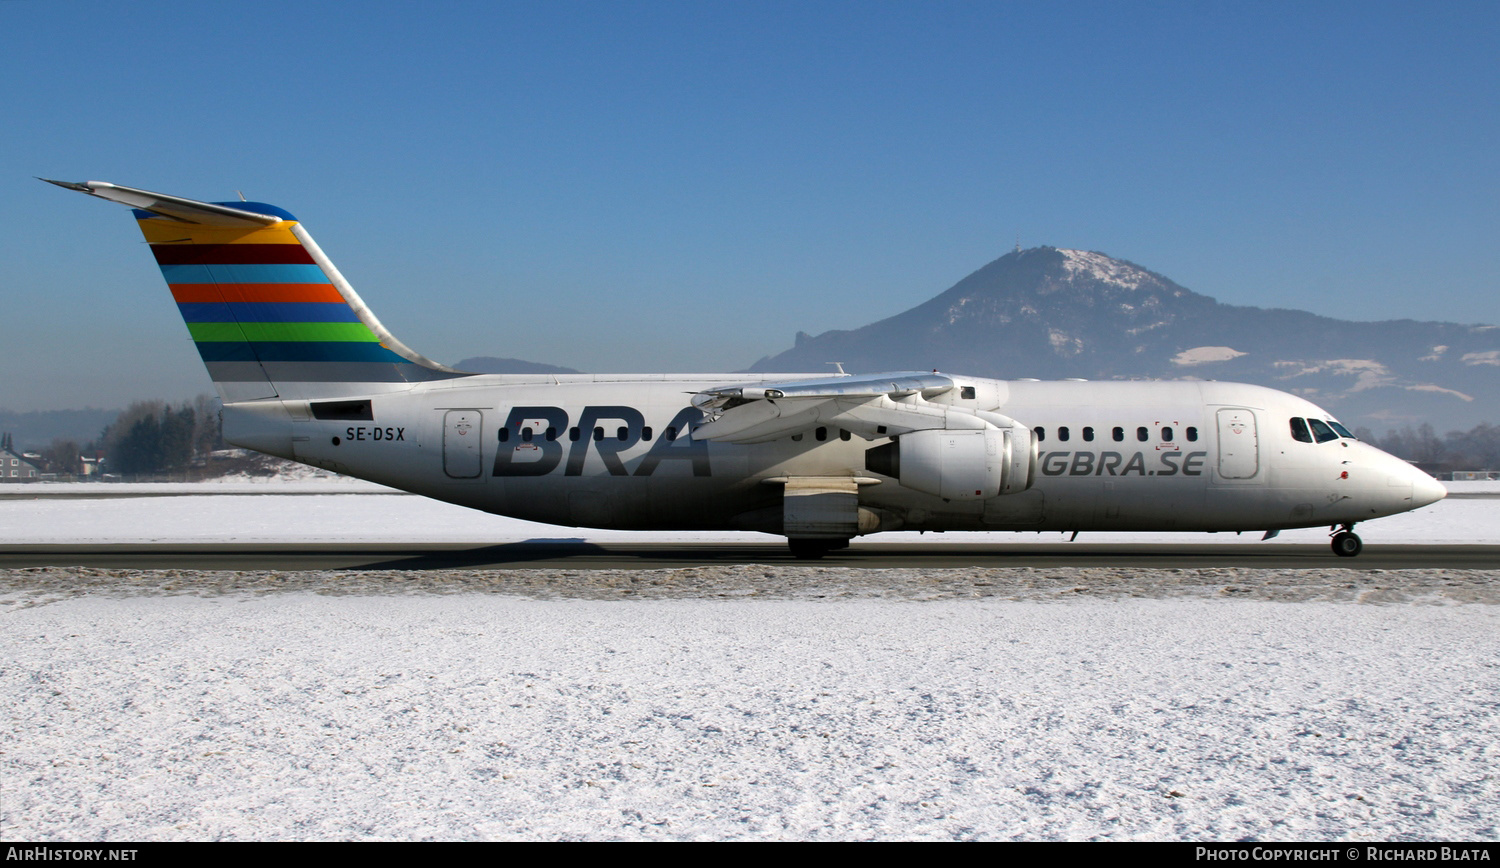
[{"x": 683, "y": 186}]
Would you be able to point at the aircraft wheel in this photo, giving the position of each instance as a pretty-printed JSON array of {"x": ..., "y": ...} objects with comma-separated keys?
[
  {"x": 809, "y": 549},
  {"x": 1346, "y": 544}
]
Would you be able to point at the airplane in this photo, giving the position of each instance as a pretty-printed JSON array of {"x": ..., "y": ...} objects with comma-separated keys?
[{"x": 307, "y": 372}]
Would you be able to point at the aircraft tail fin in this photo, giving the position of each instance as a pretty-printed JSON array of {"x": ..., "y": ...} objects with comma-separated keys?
[{"x": 270, "y": 314}]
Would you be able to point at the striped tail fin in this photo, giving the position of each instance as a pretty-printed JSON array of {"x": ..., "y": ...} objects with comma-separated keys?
[{"x": 270, "y": 314}]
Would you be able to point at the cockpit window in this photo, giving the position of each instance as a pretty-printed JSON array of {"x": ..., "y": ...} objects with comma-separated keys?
[
  {"x": 1300, "y": 432},
  {"x": 1343, "y": 432},
  {"x": 1321, "y": 430}
]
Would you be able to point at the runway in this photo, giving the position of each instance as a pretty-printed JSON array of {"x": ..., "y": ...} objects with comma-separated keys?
[
  {"x": 581, "y": 555},
  {"x": 326, "y": 526}
]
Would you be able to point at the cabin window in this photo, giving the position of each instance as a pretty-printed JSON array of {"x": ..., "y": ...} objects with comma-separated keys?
[
  {"x": 844, "y": 434},
  {"x": 1088, "y": 434},
  {"x": 1040, "y": 432},
  {"x": 1062, "y": 433},
  {"x": 1321, "y": 432},
  {"x": 551, "y": 433},
  {"x": 1142, "y": 434},
  {"x": 525, "y": 435},
  {"x": 503, "y": 434},
  {"x": 671, "y": 433},
  {"x": 821, "y": 434},
  {"x": 573, "y": 433},
  {"x": 598, "y": 433},
  {"x": 1300, "y": 432},
  {"x": 1118, "y": 434},
  {"x": 1166, "y": 434},
  {"x": 1192, "y": 434},
  {"x": 797, "y": 437},
  {"x": 646, "y": 433},
  {"x": 622, "y": 433}
]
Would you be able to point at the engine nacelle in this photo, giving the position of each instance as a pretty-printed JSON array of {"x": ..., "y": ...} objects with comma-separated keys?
[{"x": 975, "y": 464}]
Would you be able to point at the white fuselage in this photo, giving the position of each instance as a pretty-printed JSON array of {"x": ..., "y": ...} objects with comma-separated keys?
[{"x": 600, "y": 451}]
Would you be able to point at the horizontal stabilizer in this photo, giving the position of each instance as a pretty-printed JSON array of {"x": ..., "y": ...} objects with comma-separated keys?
[{"x": 172, "y": 207}]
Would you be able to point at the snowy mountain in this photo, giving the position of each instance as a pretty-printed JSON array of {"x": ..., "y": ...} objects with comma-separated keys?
[{"x": 1051, "y": 313}]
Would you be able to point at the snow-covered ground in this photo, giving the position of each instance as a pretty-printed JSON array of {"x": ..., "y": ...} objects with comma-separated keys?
[
  {"x": 297, "y": 716},
  {"x": 187, "y": 706}
]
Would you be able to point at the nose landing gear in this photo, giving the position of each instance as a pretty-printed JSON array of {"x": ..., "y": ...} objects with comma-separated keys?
[{"x": 1346, "y": 543}]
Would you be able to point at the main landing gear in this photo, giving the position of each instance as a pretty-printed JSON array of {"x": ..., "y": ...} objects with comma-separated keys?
[{"x": 1346, "y": 543}]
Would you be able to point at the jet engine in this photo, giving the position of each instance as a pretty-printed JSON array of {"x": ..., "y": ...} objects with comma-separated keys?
[{"x": 970, "y": 464}]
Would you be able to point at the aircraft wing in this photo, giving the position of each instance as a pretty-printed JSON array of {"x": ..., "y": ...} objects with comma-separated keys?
[{"x": 880, "y": 405}]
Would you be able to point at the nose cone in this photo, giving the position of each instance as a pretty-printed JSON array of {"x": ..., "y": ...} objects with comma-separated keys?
[
  {"x": 1425, "y": 489},
  {"x": 1404, "y": 487}
]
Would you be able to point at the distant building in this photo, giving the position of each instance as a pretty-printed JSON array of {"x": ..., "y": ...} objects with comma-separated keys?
[
  {"x": 1475, "y": 475},
  {"x": 15, "y": 467}
]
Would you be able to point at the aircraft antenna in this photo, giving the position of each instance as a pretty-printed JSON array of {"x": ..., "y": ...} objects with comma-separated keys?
[
  {"x": 840, "y": 367},
  {"x": 242, "y": 196}
]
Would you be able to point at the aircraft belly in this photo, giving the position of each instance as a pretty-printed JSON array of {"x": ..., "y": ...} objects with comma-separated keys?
[
  {"x": 1123, "y": 504},
  {"x": 1026, "y": 509},
  {"x": 1279, "y": 508},
  {"x": 623, "y": 503}
]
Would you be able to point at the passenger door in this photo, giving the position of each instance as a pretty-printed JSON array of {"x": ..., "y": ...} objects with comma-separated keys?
[{"x": 1239, "y": 448}]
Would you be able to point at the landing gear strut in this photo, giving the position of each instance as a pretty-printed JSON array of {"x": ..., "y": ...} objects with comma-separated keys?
[{"x": 1346, "y": 543}]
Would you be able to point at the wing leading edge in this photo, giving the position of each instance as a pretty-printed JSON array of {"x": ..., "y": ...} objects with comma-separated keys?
[{"x": 875, "y": 406}]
